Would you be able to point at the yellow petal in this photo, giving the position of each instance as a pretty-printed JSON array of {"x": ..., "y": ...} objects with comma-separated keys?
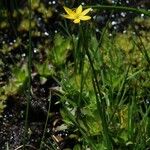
[
  {"x": 85, "y": 11},
  {"x": 84, "y": 17},
  {"x": 68, "y": 16},
  {"x": 69, "y": 11},
  {"x": 79, "y": 10},
  {"x": 76, "y": 21}
]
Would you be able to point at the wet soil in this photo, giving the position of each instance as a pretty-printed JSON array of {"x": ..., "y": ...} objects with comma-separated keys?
[{"x": 12, "y": 123}]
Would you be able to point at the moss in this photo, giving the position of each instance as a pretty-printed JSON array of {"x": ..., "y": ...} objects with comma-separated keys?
[
  {"x": 144, "y": 22},
  {"x": 24, "y": 25}
]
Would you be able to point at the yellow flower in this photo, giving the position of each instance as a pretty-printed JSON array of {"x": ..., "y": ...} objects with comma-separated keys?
[{"x": 77, "y": 14}]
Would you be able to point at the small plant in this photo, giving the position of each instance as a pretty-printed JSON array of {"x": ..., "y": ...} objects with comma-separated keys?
[{"x": 16, "y": 83}]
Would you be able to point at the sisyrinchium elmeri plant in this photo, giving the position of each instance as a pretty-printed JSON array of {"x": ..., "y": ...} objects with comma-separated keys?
[{"x": 101, "y": 97}]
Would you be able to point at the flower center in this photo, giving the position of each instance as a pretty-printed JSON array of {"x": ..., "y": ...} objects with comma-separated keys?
[{"x": 77, "y": 16}]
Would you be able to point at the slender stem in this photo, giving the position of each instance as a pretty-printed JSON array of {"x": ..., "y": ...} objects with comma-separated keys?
[
  {"x": 100, "y": 103},
  {"x": 29, "y": 78},
  {"x": 41, "y": 144},
  {"x": 120, "y": 8}
]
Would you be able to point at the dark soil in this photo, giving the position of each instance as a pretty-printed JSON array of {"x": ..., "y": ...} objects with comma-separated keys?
[{"x": 12, "y": 123}]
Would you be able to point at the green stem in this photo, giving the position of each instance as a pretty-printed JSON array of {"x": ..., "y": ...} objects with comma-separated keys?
[
  {"x": 96, "y": 86},
  {"x": 29, "y": 78},
  {"x": 100, "y": 104},
  {"x": 42, "y": 141},
  {"x": 120, "y": 8}
]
